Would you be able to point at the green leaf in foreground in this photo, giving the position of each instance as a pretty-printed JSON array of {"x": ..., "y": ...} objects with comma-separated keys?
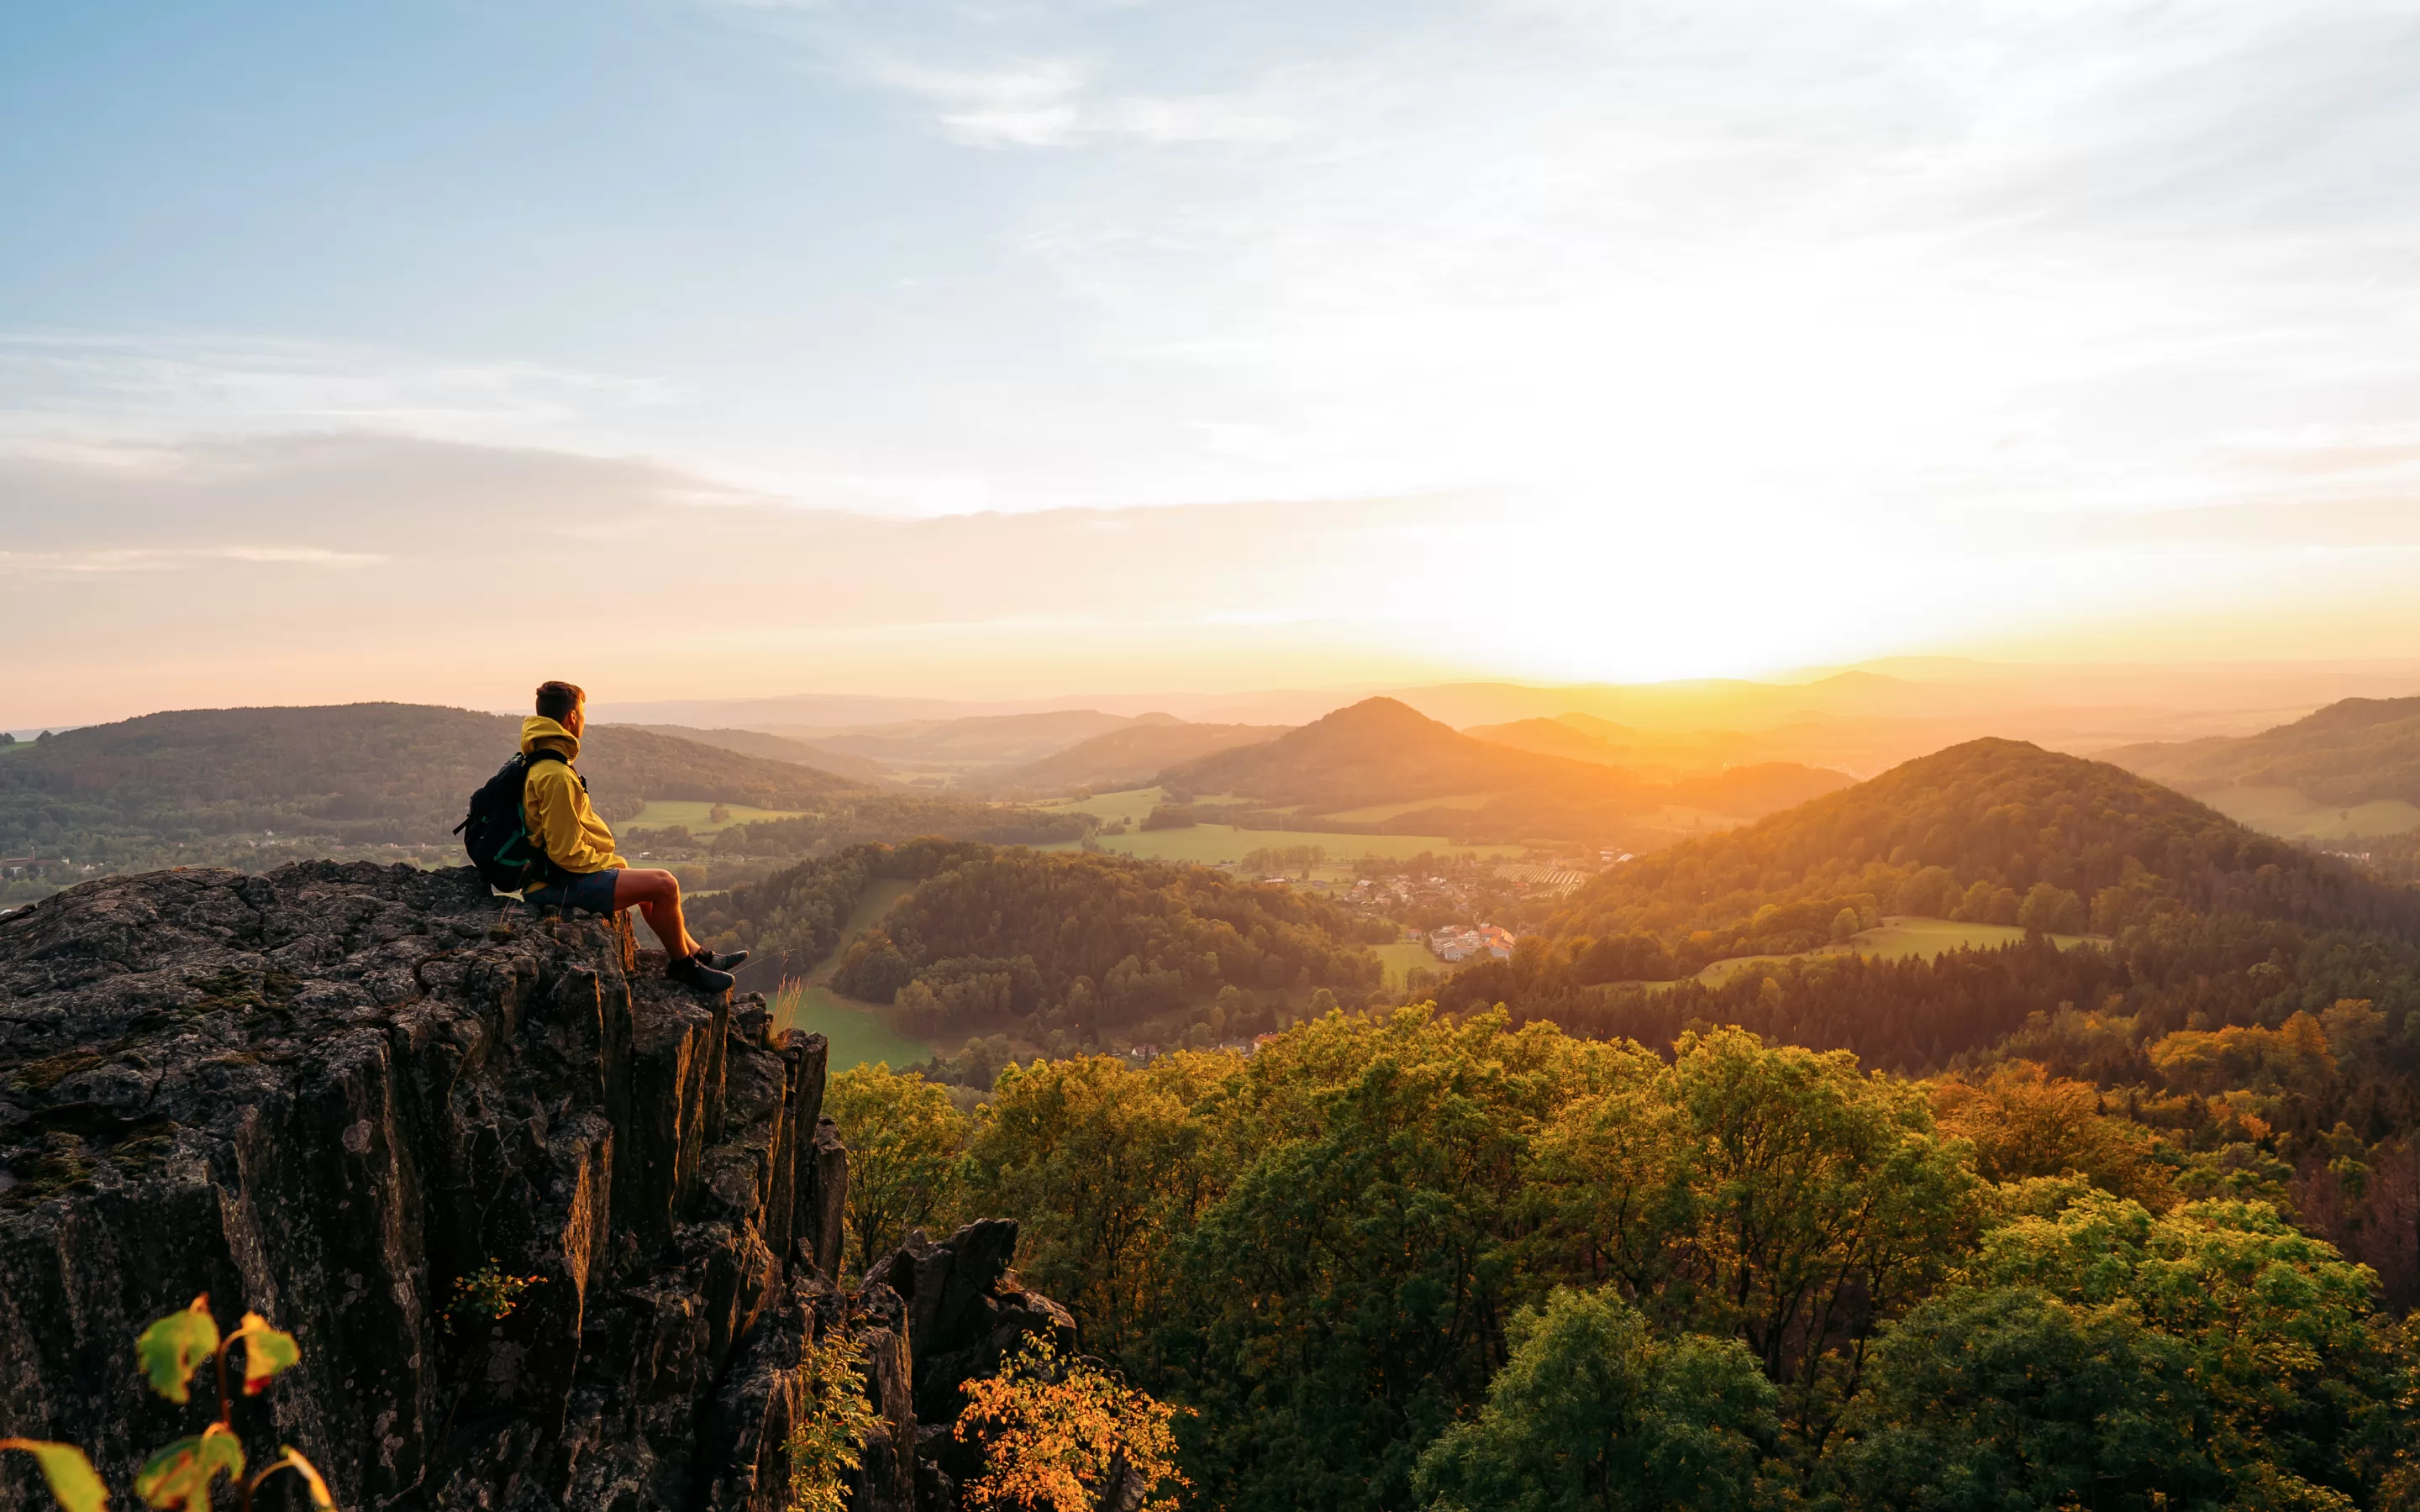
[
  {"x": 266, "y": 1351},
  {"x": 172, "y": 1349},
  {"x": 72, "y": 1477},
  {"x": 180, "y": 1475}
]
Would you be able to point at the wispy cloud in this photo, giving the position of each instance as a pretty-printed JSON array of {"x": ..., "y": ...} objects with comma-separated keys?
[
  {"x": 154, "y": 560},
  {"x": 66, "y": 383},
  {"x": 1053, "y": 102}
]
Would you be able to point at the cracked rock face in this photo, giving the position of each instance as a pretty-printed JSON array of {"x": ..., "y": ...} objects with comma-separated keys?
[{"x": 336, "y": 1094}]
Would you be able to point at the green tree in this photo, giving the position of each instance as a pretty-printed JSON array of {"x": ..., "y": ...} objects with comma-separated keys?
[
  {"x": 1819, "y": 1200},
  {"x": 1347, "y": 1291},
  {"x": 2309, "y": 1394},
  {"x": 1995, "y": 1397},
  {"x": 905, "y": 1138},
  {"x": 1594, "y": 1410},
  {"x": 1103, "y": 1167},
  {"x": 2049, "y": 910}
]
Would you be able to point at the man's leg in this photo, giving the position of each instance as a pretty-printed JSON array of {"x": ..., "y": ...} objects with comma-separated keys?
[{"x": 656, "y": 894}]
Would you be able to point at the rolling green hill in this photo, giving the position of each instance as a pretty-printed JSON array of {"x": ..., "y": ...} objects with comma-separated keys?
[
  {"x": 1971, "y": 832},
  {"x": 232, "y": 786}
]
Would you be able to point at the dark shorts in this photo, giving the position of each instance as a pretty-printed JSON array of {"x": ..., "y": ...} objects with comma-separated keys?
[{"x": 590, "y": 892}]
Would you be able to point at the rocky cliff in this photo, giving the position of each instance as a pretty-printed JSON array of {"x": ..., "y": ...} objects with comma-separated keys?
[{"x": 335, "y": 1095}]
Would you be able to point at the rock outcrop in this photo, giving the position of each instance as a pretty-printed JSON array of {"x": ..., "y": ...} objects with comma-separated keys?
[{"x": 339, "y": 1095}]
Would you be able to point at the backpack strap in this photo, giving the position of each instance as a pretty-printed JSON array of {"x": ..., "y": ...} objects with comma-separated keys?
[{"x": 547, "y": 872}]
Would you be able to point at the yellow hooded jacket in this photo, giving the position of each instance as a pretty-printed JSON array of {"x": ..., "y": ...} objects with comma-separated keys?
[{"x": 554, "y": 804}]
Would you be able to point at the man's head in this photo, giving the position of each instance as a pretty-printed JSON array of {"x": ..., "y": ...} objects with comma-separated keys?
[{"x": 562, "y": 702}]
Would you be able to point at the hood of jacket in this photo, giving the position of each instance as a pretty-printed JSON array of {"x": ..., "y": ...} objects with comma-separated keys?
[{"x": 537, "y": 729}]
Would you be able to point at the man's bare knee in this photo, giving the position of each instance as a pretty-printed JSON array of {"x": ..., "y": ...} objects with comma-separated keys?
[{"x": 646, "y": 886}]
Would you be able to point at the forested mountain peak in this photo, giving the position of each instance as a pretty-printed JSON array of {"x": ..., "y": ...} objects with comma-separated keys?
[
  {"x": 1979, "y": 826},
  {"x": 1378, "y": 750}
]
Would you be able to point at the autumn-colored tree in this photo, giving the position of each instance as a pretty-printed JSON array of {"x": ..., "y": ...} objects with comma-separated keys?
[
  {"x": 2024, "y": 1122},
  {"x": 1064, "y": 1435}
]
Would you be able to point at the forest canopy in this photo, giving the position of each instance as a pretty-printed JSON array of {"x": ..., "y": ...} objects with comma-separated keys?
[
  {"x": 1094, "y": 941},
  {"x": 1396, "y": 1260}
]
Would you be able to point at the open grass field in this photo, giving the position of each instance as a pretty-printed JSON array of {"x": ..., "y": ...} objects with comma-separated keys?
[
  {"x": 1897, "y": 936},
  {"x": 878, "y": 898},
  {"x": 1405, "y": 956},
  {"x": 1131, "y": 804},
  {"x": 855, "y": 1029},
  {"x": 1210, "y": 844},
  {"x": 1687, "y": 821},
  {"x": 663, "y": 812},
  {"x": 1378, "y": 813},
  {"x": 2283, "y": 812}
]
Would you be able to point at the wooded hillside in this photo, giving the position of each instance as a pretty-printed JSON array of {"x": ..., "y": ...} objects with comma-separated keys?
[
  {"x": 1972, "y": 832},
  {"x": 1099, "y": 941},
  {"x": 2348, "y": 753},
  {"x": 173, "y": 787}
]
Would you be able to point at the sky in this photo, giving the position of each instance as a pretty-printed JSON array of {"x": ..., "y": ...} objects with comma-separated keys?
[{"x": 710, "y": 349}]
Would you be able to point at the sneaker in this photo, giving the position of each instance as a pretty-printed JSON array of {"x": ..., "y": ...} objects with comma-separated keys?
[
  {"x": 724, "y": 962},
  {"x": 691, "y": 972}
]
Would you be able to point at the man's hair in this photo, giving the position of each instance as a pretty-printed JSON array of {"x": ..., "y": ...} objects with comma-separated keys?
[{"x": 555, "y": 700}]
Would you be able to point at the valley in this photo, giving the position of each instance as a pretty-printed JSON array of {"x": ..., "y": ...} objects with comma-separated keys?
[
  {"x": 2004, "y": 995},
  {"x": 856, "y": 1031}
]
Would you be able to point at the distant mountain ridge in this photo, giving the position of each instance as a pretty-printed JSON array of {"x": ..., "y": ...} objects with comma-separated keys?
[
  {"x": 1381, "y": 752},
  {"x": 387, "y": 770},
  {"x": 772, "y": 749},
  {"x": 2350, "y": 752},
  {"x": 1586, "y": 738},
  {"x": 1375, "y": 751},
  {"x": 1128, "y": 757}
]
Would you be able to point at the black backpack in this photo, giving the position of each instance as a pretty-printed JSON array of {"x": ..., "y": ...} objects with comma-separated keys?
[{"x": 496, "y": 832}]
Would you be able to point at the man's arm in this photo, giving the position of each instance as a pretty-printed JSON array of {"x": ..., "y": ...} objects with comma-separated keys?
[{"x": 560, "y": 822}]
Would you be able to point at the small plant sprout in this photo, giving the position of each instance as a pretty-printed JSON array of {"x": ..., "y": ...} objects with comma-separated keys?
[
  {"x": 180, "y": 1476},
  {"x": 488, "y": 1293}
]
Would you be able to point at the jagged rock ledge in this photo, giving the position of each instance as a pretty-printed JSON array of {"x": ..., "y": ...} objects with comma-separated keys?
[{"x": 335, "y": 1092}]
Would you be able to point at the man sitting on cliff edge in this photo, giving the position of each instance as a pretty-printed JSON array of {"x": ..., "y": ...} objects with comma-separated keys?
[{"x": 583, "y": 871}]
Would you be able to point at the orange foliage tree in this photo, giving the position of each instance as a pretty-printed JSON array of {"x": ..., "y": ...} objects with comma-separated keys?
[{"x": 1065, "y": 1436}]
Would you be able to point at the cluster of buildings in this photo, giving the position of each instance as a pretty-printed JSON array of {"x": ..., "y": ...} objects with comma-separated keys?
[
  {"x": 1402, "y": 892},
  {"x": 1456, "y": 943}
]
